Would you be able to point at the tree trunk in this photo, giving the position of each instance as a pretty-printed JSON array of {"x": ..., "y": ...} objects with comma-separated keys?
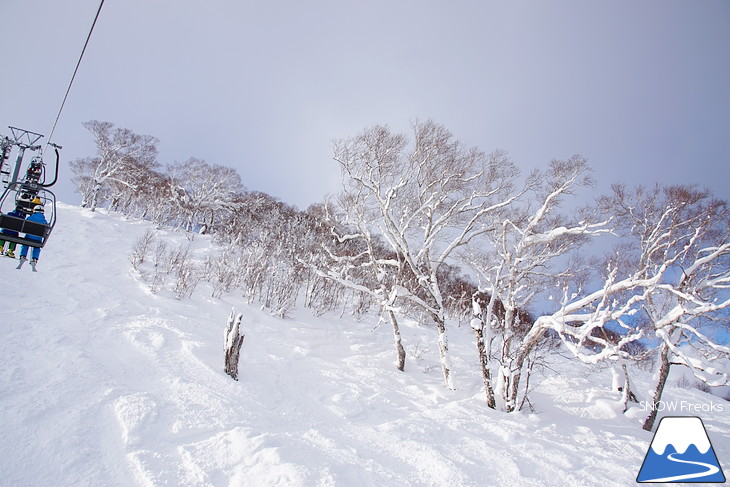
[
  {"x": 513, "y": 388},
  {"x": 626, "y": 393},
  {"x": 400, "y": 351},
  {"x": 484, "y": 362},
  {"x": 444, "y": 353},
  {"x": 95, "y": 196},
  {"x": 664, "y": 366}
]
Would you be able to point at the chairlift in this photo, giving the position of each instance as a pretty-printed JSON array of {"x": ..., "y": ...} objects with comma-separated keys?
[{"x": 24, "y": 195}]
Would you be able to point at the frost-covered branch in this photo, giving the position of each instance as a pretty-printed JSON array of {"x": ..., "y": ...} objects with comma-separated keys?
[{"x": 426, "y": 200}]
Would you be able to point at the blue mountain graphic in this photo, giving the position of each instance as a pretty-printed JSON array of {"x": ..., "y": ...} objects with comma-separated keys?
[{"x": 671, "y": 464}]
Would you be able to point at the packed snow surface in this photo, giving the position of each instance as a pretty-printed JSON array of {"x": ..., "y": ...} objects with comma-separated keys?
[{"x": 103, "y": 383}]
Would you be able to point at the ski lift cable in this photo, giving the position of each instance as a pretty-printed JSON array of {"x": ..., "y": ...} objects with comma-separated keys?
[{"x": 73, "y": 77}]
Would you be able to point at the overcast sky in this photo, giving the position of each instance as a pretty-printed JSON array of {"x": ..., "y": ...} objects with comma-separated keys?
[{"x": 642, "y": 89}]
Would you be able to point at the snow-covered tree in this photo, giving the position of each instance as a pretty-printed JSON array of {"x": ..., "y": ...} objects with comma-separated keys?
[
  {"x": 268, "y": 240},
  {"x": 668, "y": 281},
  {"x": 321, "y": 294},
  {"x": 357, "y": 258},
  {"x": 123, "y": 157},
  {"x": 150, "y": 201},
  {"x": 526, "y": 255},
  {"x": 682, "y": 237},
  {"x": 427, "y": 199},
  {"x": 199, "y": 190}
]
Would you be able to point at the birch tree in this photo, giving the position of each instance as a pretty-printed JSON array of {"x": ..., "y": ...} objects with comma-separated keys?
[
  {"x": 429, "y": 198},
  {"x": 682, "y": 235},
  {"x": 668, "y": 282},
  {"x": 356, "y": 258},
  {"x": 522, "y": 261},
  {"x": 199, "y": 190},
  {"x": 122, "y": 156}
]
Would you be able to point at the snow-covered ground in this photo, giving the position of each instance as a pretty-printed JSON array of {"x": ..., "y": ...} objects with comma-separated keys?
[{"x": 104, "y": 384}]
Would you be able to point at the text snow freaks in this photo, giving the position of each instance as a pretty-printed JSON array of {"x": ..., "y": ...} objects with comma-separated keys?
[{"x": 683, "y": 407}]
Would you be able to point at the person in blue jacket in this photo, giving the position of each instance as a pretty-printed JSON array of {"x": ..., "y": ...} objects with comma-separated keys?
[
  {"x": 37, "y": 217},
  {"x": 17, "y": 213}
]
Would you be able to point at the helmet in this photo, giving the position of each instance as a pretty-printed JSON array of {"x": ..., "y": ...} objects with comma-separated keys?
[{"x": 38, "y": 209}]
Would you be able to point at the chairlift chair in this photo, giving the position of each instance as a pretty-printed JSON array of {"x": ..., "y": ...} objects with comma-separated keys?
[{"x": 16, "y": 196}]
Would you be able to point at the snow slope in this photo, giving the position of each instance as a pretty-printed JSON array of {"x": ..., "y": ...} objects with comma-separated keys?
[{"x": 104, "y": 384}]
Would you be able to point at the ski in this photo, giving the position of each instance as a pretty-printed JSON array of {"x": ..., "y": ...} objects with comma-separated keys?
[
  {"x": 22, "y": 261},
  {"x": 32, "y": 264}
]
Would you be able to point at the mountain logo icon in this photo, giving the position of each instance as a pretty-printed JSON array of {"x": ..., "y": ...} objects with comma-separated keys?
[{"x": 681, "y": 452}]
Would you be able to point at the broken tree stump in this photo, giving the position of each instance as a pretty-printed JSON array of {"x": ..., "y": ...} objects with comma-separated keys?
[{"x": 233, "y": 342}]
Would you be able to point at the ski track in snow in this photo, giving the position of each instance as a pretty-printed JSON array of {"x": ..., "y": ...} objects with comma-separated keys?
[{"x": 104, "y": 384}]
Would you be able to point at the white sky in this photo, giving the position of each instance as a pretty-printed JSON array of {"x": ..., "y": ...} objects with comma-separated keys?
[{"x": 642, "y": 89}]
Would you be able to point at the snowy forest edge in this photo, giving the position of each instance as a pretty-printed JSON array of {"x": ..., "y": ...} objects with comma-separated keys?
[{"x": 429, "y": 229}]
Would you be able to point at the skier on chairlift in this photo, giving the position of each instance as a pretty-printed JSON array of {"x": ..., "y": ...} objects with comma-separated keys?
[
  {"x": 37, "y": 217},
  {"x": 17, "y": 213}
]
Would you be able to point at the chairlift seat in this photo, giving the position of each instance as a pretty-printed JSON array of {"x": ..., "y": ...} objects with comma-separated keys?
[
  {"x": 26, "y": 227},
  {"x": 30, "y": 233}
]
